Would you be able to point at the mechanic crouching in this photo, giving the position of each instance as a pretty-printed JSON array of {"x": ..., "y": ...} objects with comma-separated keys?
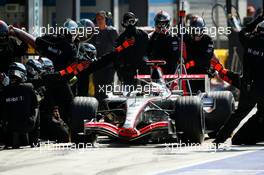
[
  {"x": 19, "y": 109},
  {"x": 251, "y": 86},
  {"x": 52, "y": 127}
]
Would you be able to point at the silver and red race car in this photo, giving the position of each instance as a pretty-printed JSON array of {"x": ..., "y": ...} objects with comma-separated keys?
[{"x": 161, "y": 111}]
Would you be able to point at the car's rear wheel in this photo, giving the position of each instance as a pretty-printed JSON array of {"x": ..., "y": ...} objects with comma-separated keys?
[
  {"x": 83, "y": 108},
  {"x": 224, "y": 107},
  {"x": 189, "y": 119}
]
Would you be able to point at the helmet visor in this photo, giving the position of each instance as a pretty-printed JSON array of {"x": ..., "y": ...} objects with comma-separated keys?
[
  {"x": 16, "y": 73},
  {"x": 3, "y": 40},
  {"x": 130, "y": 22},
  {"x": 162, "y": 24}
]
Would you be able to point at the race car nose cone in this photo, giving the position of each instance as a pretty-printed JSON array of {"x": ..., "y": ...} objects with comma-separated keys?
[{"x": 128, "y": 132}]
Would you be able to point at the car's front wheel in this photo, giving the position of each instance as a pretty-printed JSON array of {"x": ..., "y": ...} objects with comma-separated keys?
[{"x": 189, "y": 119}]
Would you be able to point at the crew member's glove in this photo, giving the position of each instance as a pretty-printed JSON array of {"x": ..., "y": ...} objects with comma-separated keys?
[
  {"x": 190, "y": 64},
  {"x": 216, "y": 65},
  {"x": 223, "y": 73},
  {"x": 127, "y": 43}
]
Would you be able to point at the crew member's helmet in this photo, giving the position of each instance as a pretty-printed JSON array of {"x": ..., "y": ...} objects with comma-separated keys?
[
  {"x": 3, "y": 33},
  {"x": 70, "y": 29},
  {"x": 47, "y": 65},
  {"x": 129, "y": 20},
  {"x": 34, "y": 68},
  {"x": 90, "y": 51},
  {"x": 162, "y": 21},
  {"x": 17, "y": 72},
  {"x": 197, "y": 25},
  {"x": 260, "y": 28},
  {"x": 86, "y": 29}
]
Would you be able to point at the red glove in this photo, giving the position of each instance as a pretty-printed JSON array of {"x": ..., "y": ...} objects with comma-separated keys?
[
  {"x": 216, "y": 65},
  {"x": 127, "y": 43},
  {"x": 190, "y": 64}
]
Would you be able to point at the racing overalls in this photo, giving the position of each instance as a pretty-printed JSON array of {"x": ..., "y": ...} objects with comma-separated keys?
[
  {"x": 251, "y": 91},
  {"x": 131, "y": 59},
  {"x": 19, "y": 109},
  {"x": 199, "y": 53},
  {"x": 9, "y": 53},
  {"x": 104, "y": 43},
  {"x": 164, "y": 46}
]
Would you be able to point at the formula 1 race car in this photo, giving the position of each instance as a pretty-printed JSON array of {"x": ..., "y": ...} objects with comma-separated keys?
[{"x": 159, "y": 112}]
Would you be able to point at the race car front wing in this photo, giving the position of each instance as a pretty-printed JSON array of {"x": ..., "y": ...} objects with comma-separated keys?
[{"x": 122, "y": 133}]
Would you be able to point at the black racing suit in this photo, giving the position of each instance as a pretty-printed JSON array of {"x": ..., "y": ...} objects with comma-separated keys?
[
  {"x": 82, "y": 85},
  {"x": 11, "y": 52},
  {"x": 19, "y": 109},
  {"x": 62, "y": 52},
  {"x": 200, "y": 52},
  {"x": 251, "y": 91},
  {"x": 131, "y": 59},
  {"x": 164, "y": 47}
]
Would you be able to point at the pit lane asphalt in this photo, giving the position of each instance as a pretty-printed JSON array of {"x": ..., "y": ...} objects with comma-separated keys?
[{"x": 115, "y": 158}]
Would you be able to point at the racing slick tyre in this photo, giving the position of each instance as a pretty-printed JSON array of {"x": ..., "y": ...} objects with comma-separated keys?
[
  {"x": 83, "y": 108},
  {"x": 189, "y": 119},
  {"x": 224, "y": 107}
]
